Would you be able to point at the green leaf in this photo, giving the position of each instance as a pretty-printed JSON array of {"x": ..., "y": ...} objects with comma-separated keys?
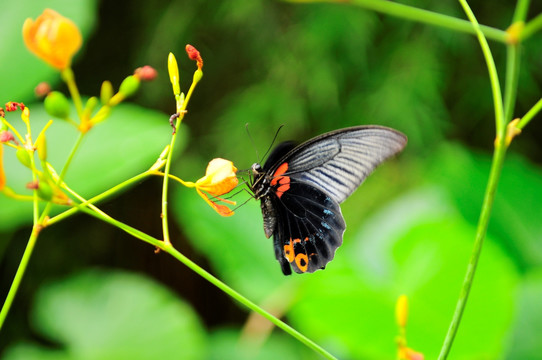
[
  {"x": 525, "y": 336},
  {"x": 22, "y": 68},
  {"x": 113, "y": 315},
  {"x": 124, "y": 145},
  {"x": 256, "y": 344},
  {"x": 515, "y": 218}
]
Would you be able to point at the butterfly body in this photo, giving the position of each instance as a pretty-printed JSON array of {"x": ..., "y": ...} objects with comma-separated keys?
[{"x": 301, "y": 187}]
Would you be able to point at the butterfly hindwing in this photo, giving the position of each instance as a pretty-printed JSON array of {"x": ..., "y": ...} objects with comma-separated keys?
[{"x": 309, "y": 228}]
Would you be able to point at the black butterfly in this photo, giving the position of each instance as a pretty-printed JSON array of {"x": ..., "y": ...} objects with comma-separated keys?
[{"x": 301, "y": 187}]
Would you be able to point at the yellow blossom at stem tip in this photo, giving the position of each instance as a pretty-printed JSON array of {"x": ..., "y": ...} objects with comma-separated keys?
[
  {"x": 53, "y": 38},
  {"x": 219, "y": 179}
]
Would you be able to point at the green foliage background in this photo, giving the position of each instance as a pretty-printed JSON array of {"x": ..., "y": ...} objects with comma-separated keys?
[{"x": 313, "y": 68}]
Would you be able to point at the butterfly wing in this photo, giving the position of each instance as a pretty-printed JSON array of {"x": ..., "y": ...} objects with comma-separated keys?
[
  {"x": 339, "y": 161},
  {"x": 309, "y": 228},
  {"x": 310, "y": 180}
]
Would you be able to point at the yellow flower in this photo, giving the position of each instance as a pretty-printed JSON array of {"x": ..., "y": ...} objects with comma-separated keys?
[
  {"x": 219, "y": 179},
  {"x": 53, "y": 38}
]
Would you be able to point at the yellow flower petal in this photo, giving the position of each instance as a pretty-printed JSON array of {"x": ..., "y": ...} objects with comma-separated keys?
[
  {"x": 222, "y": 210},
  {"x": 219, "y": 177},
  {"x": 53, "y": 38}
]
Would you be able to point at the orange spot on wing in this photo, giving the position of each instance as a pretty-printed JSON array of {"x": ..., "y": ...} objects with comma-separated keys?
[
  {"x": 302, "y": 262},
  {"x": 289, "y": 251}
]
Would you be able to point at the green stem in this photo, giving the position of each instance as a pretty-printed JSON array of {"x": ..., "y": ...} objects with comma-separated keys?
[
  {"x": 500, "y": 123},
  {"x": 487, "y": 205},
  {"x": 168, "y": 248},
  {"x": 246, "y": 302},
  {"x": 19, "y": 274},
  {"x": 520, "y": 14},
  {"x": 75, "y": 147},
  {"x": 181, "y": 105},
  {"x": 530, "y": 115},
  {"x": 496, "y": 167},
  {"x": 531, "y": 27},
  {"x": 69, "y": 78},
  {"x": 511, "y": 84},
  {"x": 99, "y": 197},
  {"x": 429, "y": 17}
]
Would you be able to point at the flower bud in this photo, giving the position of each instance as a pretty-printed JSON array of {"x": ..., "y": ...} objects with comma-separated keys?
[
  {"x": 146, "y": 73},
  {"x": 57, "y": 105},
  {"x": 401, "y": 311},
  {"x": 41, "y": 146},
  {"x": 173, "y": 70},
  {"x": 129, "y": 86},
  {"x": 106, "y": 92},
  {"x": 42, "y": 89},
  {"x": 45, "y": 191},
  {"x": 24, "y": 157}
]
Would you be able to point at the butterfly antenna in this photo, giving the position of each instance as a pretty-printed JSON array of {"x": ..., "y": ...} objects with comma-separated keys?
[
  {"x": 252, "y": 142},
  {"x": 274, "y": 138}
]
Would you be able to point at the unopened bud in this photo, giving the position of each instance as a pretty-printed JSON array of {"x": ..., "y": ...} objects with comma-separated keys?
[
  {"x": 146, "y": 73},
  {"x": 24, "y": 157},
  {"x": 57, "y": 105},
  {"x": 129, "y": 86},
  {"x": 173, "y": 70},
  {"x": 106, "y": 92},
  {"x": 41, "y": 145}
]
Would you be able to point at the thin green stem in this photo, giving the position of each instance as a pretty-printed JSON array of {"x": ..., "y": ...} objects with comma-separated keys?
[
  {"x": 531, "y": 27},
  {"x": 520, "y": 14},
  {"x": 244, "y": 301},
  {"x": 165, "y": 185},
  {"x": 19, "y": 274},
  {"x": 168, "y": 248},
  {"x": 500, "y": 123},
  {"x": 511, "y": 84},
  {"x": 100, "y": 197},
  {"x": 69, "y": 78},
  {"x": 75, "y": 147},
  {"x": 181, "y": 105},
  {"x": 487, "y": 205},
  {"x": 427, "y": 17},
  {"x": 496, "y": 167},
  {"x": 530, "y": 115}
]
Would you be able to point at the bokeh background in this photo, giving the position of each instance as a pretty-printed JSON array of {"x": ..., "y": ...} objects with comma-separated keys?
[{"x": 93, "y": 292}]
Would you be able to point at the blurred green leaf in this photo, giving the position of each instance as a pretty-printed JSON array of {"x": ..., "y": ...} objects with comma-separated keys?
[
  {"x": 126, "y": 144},
  {"x": 525, "y": 337},
  {"x": 515, "y": 219},
  {"x": 113, "y": 315},
  {"x": 418, "y": 246},
  {"x": 256, "y": 346},
  {"x": 18, "y": 67}
]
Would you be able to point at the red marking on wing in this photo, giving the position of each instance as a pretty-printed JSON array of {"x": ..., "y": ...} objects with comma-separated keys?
[{"x": 283, "y": 181}]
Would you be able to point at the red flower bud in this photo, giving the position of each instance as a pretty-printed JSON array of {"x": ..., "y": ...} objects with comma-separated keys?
[
  {"x": 146, "y": 73},
  {"x": 194, "y": 54}
]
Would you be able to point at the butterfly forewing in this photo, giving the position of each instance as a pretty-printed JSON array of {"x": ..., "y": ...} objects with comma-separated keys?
[{"x": 339, "y": 161}]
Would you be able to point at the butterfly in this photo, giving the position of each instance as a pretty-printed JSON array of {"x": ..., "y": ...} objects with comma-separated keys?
[{"x": 301, "y": 187}]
